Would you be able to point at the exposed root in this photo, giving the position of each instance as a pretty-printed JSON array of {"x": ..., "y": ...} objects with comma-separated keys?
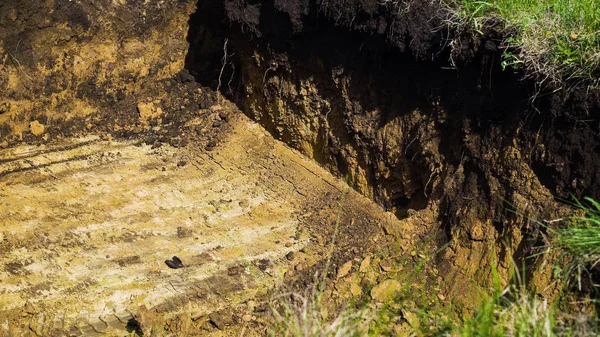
[{"x": 224, "y": 61}]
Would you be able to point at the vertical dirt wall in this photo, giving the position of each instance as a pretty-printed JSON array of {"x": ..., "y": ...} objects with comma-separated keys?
[
  {"x": 418, "y": 118},
  {"x": 75, "y": 65}
]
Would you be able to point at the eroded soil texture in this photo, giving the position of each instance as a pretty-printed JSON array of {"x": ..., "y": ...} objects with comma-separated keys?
[
  {"x": 222, "y": 132},
  {"x": 87, "y": 225},
  {"x": 417, "y": 115}
]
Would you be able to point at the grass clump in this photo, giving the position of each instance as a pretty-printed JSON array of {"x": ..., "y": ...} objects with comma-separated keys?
[
  {"x": 579, "y": 241},
  {"x": 581, "y": 238},
  {"x": 512, "y": 312},
  {"x": 557, "y": 40},
  {"x": 304, "y": 315},
  {"x": 517, "y": 312},
  {"x": 526, "y": 315}
]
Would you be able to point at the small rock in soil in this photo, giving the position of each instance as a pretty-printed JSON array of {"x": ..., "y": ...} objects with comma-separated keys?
[
  {"x": 183, "y": 232},
  {"x": 344, "y": 269},
  {"x": 290, "y": 256},
  {"x": 185, "y": 76},
  {"x": 386, "y": 290},
  {"x": 37, "y": 128},
  {"x": 175, "y": 263},
  {"x": 224, "y": 115},
  {"x": 355, "y": 289},
  {"x": 220, "y": 320},
  {"x": 235, "y": 270},
  {"x": 411, "y": 318},
  {"x": 390, "y": 229},
  {"x": 4, "y": 107},
  {"x": 364, "y": 265},
  {"x": 385, "y": 265},
  {"x": 211, "y": 145}
]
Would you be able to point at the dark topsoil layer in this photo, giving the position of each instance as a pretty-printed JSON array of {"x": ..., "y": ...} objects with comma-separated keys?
[{"x": 405, "y": 55}]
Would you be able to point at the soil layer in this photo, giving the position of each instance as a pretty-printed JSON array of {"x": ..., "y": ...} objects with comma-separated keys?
[
  {"x": 456, "y": 152},
  {"x": 419, "y": 117}
]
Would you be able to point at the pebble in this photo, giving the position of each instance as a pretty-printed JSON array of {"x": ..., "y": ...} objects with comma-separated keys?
[
  {"x": 364, "y": 265},
  {"x": 355, "y": 289},
  {"x": 175, "y": 263},
  {"x": 386, "y": 290},
  {"x": 224, "y": 115},
  {"x": 37, "y": 128},
  {"x": 344, "y": 269},
  {"x": 385, "y": 265}
]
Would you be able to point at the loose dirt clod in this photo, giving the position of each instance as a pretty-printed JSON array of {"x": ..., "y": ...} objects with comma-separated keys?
[
  {"x": 344, "y": 269},
  {"x": 37, "y": 128},
  {"x": 386, "y": 290}
]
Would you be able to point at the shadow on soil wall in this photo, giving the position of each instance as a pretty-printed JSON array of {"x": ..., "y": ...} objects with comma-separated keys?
[{"x": 377, "y": 94}]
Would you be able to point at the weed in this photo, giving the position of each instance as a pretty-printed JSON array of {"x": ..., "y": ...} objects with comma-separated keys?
[
  {"x": 304, "y": 315},
  {"x": 525, "y": 315},
  {"x": 510, "y": 311}
]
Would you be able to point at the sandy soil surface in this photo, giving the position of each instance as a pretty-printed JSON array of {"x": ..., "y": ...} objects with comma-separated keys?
[{"x": 88, "y": 224}]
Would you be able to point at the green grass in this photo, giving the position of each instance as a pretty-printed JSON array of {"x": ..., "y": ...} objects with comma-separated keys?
[
  {"x": 523, "y": 316},
  {"x": 513, "y": 311},
  {"x": 305, "y": 315},
  {"x": 557, "y": 40},
  {"x": 526, "y": 315},
  {"x": 578, "y": 238},
  {"x": 581, "y": 237}
]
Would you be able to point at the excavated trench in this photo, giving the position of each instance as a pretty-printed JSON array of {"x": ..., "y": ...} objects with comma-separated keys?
[
  {"x": 112, "y": 158},
  {"x": 420, "y": 119}
]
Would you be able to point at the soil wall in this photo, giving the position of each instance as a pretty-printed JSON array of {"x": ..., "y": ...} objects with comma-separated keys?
[
  {"x": 418, "y": 116},
  {"x": 71, "y": 66}
]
